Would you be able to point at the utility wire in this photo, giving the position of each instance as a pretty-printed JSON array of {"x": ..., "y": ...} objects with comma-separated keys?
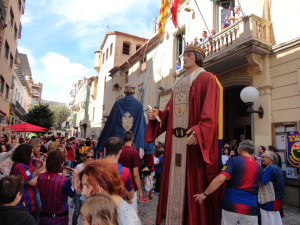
[{"x": 203, "y": 18}]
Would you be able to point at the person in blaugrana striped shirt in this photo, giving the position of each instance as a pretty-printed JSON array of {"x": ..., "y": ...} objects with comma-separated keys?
[{"x": 242, "y": 175}]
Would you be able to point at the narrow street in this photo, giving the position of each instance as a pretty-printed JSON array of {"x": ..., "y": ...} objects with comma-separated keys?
[{"x": 147, "y": 213}]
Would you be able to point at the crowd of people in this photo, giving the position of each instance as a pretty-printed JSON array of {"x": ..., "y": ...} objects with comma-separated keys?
[
  {"x": 247, "y": 176},
  {"x": 41, "y": 175}
]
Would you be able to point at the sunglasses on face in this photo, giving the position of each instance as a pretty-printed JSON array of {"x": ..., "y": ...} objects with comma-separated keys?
[{"x": 89, "y": 157}]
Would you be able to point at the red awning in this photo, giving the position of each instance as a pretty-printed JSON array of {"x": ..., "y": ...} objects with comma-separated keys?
[{"x": 26, "y": 127}]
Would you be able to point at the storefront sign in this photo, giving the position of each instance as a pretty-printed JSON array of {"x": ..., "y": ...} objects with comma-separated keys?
[
  {"x": 291, "y": 172},
  {"x": 293, "y": 152},
  {"x": 4, "y": 120}
]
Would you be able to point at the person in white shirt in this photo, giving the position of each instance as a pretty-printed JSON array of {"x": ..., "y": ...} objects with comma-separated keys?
[{"x": 225, "y": 156}]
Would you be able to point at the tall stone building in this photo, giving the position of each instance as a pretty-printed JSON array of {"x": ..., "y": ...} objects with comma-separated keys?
[
  {"x": 10, "y": 32},
  {"x": 116, "y": 48}
]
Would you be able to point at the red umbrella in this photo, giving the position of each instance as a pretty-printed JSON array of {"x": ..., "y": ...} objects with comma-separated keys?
[{"x": 26, "y": 127}]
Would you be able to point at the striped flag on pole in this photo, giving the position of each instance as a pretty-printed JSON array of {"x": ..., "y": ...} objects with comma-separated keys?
[{"x": 164, "y": 9}]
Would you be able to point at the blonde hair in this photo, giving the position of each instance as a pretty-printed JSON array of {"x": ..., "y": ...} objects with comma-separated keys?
[
  {"x": 52, "y": 147},
  {"x": 100, "y": 209},
  {"x": 35, "y": 142},
  {"x": 89, "y": 151}
]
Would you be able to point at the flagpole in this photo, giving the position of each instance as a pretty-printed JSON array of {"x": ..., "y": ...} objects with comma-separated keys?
[
  {"x": 241, "y": 7},
  {"x": 203, "y": 19}
]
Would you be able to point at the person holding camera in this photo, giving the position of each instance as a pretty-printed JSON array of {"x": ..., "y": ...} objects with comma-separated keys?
[{"x": 55, "y": 190}]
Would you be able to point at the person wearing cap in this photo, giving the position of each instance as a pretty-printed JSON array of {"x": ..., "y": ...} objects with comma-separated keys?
[{"x": 191, "y": 156}]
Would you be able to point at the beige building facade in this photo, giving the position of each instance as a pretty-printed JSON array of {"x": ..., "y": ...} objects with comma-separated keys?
[
  {"x": 20, "y": 98},
  {"x": 79, "y": 108},
  {"x": 262, "y": 50},
  {"x": 116, "y": 48},
  {"x": 10, "y": 32}
]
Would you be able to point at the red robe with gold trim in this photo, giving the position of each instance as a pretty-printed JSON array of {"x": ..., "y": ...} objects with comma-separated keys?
[{"x": 203, "y": 160}]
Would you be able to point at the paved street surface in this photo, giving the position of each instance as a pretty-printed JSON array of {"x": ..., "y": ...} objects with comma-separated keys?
[
  {"x": 292, "y": 215},
  {"x": 147, "y": 213}
]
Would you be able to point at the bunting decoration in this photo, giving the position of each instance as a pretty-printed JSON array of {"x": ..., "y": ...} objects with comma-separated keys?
[
  {"x": 174, "y": 11},
  {"x": 164, "y": 9}
]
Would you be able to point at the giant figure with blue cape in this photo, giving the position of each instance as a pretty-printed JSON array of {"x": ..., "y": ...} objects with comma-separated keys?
[{"x": 126, "y": 114}]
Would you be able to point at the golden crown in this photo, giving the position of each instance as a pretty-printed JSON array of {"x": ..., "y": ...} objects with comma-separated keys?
[{"x": 195, "y": 48}]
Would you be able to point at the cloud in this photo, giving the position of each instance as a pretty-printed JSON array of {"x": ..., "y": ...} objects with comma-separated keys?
[
  {"x": 60, "y": 69},
  {"x": 60, "y": 73},
  {"x": 26, "y": 18},
  {"x": 87, "y": 20}
]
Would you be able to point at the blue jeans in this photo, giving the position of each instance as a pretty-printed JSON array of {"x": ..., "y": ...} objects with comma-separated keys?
[
  {"x": 69, "y": 164},
  {"x": 38, "y": 206},
  {"x": 76, "y": 213}
]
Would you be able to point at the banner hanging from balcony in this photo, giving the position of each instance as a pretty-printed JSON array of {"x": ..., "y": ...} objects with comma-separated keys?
[
  {"x": 163, "y": 13},
  {"x": 293, "y": 152},
  {"x": 174, "y": 11}
]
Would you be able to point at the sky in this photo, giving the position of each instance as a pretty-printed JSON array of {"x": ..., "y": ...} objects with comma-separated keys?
[{"x": 61, "y": 36}]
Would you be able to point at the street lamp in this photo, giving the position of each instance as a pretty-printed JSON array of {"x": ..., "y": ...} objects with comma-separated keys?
[{"x": 249, "y": 95}]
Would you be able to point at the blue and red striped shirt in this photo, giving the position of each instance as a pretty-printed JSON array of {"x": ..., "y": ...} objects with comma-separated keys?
[
  {"x": 244, "y": 175},
  {"x": 54, "y": 192},
  {"x": 274, "y": 175},
  {"x": 125, "y": 176},
  {"x": 29, "y": 192}
]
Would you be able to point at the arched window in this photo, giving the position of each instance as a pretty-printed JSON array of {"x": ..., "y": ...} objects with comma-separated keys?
[{"x": 126, "y": 48}]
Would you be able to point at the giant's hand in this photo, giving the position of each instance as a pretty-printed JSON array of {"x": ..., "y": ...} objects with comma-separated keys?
[
  {"x": 152, "y": 113},
  {"x": 192, "y": 139}
]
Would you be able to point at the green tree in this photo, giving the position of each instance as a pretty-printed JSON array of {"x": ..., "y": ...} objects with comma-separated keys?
[
  {"x": 40, "y": 115},
  {"x": 61, "y": 114}
]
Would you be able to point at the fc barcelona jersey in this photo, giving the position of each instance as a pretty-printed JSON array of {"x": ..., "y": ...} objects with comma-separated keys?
[{"x": 244, "y": 175}]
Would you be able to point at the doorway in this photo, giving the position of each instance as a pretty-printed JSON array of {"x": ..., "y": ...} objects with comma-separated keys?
[{"x": 236, "y": 123}]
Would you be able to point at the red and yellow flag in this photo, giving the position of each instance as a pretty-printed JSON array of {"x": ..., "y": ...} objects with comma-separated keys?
[
  {"x": 163, "y": 13},
  {"x": 174, "y": 11}
]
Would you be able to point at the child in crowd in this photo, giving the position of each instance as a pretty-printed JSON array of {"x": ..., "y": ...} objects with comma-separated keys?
[
  {"x": 10, "y": 195},
  {"x": 100, "y": 209},
  {"x": 158, "y": 171}
]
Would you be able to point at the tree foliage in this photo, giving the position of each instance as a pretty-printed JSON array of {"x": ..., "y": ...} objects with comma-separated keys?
[
  {"x": 61, "y": 114},
  {"x": 40, "y": 115}
]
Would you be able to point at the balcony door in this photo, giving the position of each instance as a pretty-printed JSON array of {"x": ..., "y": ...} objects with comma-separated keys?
[{"x": 223, "y": 7}]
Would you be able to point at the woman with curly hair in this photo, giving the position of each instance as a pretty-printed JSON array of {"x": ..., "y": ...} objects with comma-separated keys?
[{"x": 102, "y": 176}]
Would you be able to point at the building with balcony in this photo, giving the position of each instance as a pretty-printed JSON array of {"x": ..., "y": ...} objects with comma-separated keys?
[
  {"x": 10, "y": 32},
  {"x": 79, "y": 107},
  {"x": 261, "y": 49},
  {"x": 20, "y": 99},
  {"x": 36, "y": 89}
]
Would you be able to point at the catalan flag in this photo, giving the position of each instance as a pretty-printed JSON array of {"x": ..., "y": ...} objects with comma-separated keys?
[{"x": 164, "y": 9}]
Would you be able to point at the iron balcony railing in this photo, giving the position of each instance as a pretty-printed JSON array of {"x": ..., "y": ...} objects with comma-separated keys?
[{"x": 18, "y": 105}]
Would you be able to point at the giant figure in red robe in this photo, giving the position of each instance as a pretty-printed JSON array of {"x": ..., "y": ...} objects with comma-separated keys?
[{"x": 192, "y": 158}]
